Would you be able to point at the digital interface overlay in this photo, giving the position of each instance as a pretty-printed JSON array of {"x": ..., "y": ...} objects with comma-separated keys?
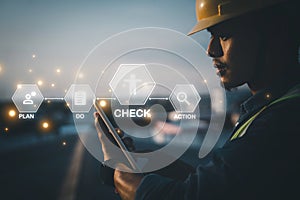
[{"x": 146, "y": 80}]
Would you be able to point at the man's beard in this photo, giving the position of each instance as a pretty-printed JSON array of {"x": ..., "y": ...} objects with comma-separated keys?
[{"x": 227, "y": 87}]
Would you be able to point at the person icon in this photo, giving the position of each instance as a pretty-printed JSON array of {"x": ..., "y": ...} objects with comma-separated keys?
[{"x": 28, "y": 100}]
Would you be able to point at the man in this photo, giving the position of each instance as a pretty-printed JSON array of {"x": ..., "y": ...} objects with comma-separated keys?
[{"x": 255, "y": 43}]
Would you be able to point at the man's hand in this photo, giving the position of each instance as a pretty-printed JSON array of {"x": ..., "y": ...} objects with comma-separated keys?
[
  {"x": 106, "y": 139},
  {"x": 126, "y": 184},
  {"x": 112, "y": 157}
]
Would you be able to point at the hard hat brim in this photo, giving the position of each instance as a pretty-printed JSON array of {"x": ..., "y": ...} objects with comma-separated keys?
[{"x": 209, "y": 22}]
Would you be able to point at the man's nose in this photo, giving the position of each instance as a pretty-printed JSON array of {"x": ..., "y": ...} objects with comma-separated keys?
[{"x": 214, "y": 48}]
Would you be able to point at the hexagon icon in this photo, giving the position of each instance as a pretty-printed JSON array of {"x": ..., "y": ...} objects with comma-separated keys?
[
  {"x": 80, "y": 98},
  {"x": 132, "y": 84},
  {"x": 27, "y": 98},
  {"x": 185, "y": 98}
]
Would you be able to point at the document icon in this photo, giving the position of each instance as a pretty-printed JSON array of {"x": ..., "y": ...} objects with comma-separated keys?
[{"x": 80, "y": 98}]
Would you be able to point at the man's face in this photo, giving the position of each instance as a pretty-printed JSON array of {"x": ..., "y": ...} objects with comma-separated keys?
[{"x": 234, "y": 49}]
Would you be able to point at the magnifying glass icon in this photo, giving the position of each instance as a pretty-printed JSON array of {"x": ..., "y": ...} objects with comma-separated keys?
[{"x": 182, "y": 98}]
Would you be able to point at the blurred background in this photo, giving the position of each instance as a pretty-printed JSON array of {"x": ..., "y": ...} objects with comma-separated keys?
[{"x": 43, "y": 42}]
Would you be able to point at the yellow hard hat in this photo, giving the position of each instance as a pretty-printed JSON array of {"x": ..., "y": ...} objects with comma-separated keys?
[{"x": 212, "y": 12}]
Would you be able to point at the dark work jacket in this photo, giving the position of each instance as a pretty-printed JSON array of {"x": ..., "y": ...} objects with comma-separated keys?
[{"x": 262, "y": 164}]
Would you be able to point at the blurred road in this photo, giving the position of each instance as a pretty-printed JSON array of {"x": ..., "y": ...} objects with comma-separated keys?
[
  {"x": 55, "y": 167},
  {"x": 59, "y": 168}
]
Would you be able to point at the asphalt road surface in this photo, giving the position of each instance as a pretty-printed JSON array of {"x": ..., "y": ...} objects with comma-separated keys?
[
  {"x": 54, "y": 167},
  {"x": 59, "y": 168}
]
